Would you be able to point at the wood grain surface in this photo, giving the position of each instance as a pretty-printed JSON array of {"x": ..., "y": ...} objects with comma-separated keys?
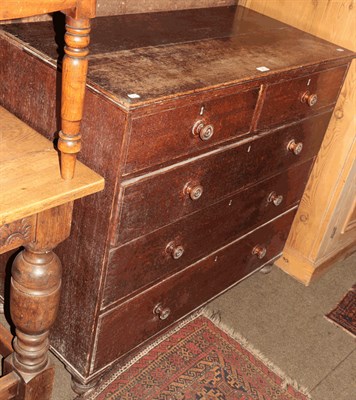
[
  {"x": 9, "y": 386},
  {"x": 220, "y": 174},
  {"x": 25, "y": 154},
  {"x": 194, "y": 57},
  {"x": 143, "y": 261},
  {"x": 115, "y": 7},
  {"x": 184, "y": 291},
  {"x": 170, "y": 52},
  {"x": 316, "y": 219}
]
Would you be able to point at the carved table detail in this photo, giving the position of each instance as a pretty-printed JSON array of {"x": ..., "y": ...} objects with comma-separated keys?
[{"x": 17, "y": 233}]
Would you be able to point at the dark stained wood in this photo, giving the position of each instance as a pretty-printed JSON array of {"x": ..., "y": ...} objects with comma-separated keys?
[
  {"x": 144, "y": 261},
  {"x": 165, "y": 64},
  {"x": 75, "y": 67},
  {"x": 283, "y": 100},
  {"x": 229, "y": 116},
  {"x": 159, "y": 29},
  {"x": 5, "y": 341},
  {"x": 219, "y": 174},
  {"x": 9, "y": 386},
  {"x": 83, "y": 254},
  {"x": 39, "y": 218},
  {"x": 175, "y": 62},
  {"x": 33, "y": 386},
  {"x": 115, "y": 7},
  {"x": 34, "y": 299},
  {"x": 185, "y": 291},
  {"x": 149, "y": 79}
]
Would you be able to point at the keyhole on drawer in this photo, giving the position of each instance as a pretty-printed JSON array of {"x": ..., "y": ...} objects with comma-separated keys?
[{"x": 202, "y": 109}]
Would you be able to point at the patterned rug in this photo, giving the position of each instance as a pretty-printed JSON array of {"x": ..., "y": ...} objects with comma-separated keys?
[
  {"x": 344, "y": 314},
  {"x": 197, "y": 361}
]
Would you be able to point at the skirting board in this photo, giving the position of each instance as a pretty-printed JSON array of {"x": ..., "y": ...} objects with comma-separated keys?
[{"x": 305, "y": 270}]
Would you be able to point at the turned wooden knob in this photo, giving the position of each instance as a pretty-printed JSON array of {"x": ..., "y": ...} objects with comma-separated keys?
[
  {"x": 309, "y": 98},
  {"x": 205, "y": 132},
  {"x": 294, "y": 147},
  {"x": 194, "y": 191},
  {"x": 162, "y": 312},
  {"x": 274, "y": 198},
  {"x": 259, "y": 251},
  {"x": 175, "y": 251}
]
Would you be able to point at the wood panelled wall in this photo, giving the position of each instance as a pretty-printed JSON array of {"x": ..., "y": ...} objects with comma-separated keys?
[{"x": 315, "y": 241}]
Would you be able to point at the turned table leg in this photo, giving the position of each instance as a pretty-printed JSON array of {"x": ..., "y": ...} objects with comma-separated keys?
[
  {"x": 75, "y": 68},
  {"x": 34, "y": 300}
]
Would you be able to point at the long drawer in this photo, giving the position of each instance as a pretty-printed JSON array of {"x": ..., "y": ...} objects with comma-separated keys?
[
  {"x": 158, "y": 138},
  {"x": 161, "y": 198},
  {"x": 141, "y": 262},
  {"x": 133, "y": 322},
  {"x": 302, "y": 97}
]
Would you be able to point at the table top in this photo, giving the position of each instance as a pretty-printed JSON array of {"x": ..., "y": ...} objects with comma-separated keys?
[
  {"x": 30, "y": 179},
  {"x": 140, "y": 59}
]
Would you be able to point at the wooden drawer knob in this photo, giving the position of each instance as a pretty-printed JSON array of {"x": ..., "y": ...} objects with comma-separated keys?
[
  {"x": 175, "y": 251},
  {"x": 294, "y": 147},
  {"x": 259, "y": 251},
  {"x": 194, "y": 191},
  {"x": 162, "y": 312},
  {"x": 309, "y": 98},
  {"x": 274, "y": 198},
  {"x": 205, "y": 132}
]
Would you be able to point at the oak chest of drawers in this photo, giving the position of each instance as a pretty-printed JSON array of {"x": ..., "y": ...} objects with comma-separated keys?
[{"x": 205, "y": 125}]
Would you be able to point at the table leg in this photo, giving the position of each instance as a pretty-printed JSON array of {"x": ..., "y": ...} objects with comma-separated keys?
[{"x": 34, "y": 300}]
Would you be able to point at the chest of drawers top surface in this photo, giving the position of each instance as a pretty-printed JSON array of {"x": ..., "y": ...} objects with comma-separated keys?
[{"x": 145, "y": 58}]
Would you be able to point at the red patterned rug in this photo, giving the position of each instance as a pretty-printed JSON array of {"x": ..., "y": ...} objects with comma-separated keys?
[
  {"x": 344, "y": 314},
  {"x": 197, "y": 361}
]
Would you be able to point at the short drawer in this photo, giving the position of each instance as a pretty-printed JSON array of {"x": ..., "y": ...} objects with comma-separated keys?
[
  {"x": 168, "y": 195},
  {"x": 299, "y": 98},
  {"x": 160, "y": 138},
  {"x": 155, "y": 309},
  {"x": 142, "y": 262}
]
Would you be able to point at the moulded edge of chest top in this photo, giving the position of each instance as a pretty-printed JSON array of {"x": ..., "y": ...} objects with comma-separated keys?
[{"x": 136, "y": 108}]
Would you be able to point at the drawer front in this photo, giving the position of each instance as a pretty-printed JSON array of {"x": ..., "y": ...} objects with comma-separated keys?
[
  {"x": 299, "y": 98},
  {"x": 161, "y": 253},
  {"x": 185, "y": 291},
  {"x": 159, "y": 138},
  {"x": 163, "y": 198}
]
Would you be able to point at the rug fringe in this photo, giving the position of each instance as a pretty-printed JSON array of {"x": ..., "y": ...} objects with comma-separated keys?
[
  {"x": 339, "y": 326},
  {"x": 215, "y": 317},
  {"x": 91, "y": 395}
]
